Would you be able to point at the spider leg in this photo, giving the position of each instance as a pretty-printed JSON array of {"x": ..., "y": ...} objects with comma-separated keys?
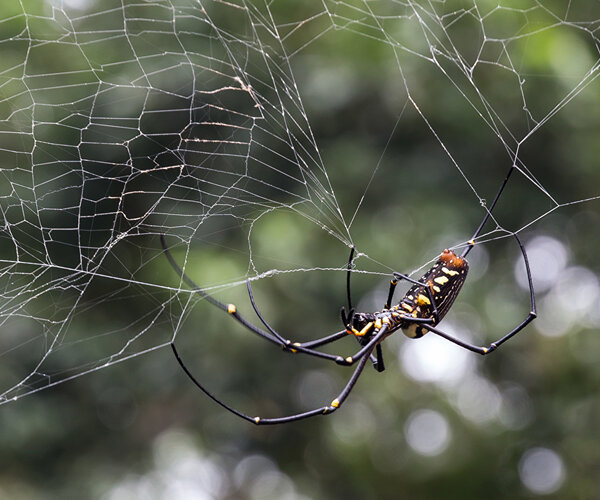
[
  {"x": 378, "y": 364},
  {"x": 488, "y": 213},
  {"x": 299, "y": 346},
  {"x": 368, "y": 347},
  {"x": 307, "y": 346},
  {"x": 325, "y": 340},
  {"x": 494, "y": 345},
  {"x": 302, "y": 345},
  {"x": 396, "y": 277},
  {"x": 400, "y": 276},
  {"x": 347, "y": 319},
  {"x": 273, "y": 336},
  {"x": 348, "y": 274},
  {"x": 324, "y": 410},
  {"x": 331, "y": 338},
  {"x": 393, "y": 283}
]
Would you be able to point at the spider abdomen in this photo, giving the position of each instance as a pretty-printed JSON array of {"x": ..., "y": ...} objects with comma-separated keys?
[{"x": 435, "y": 293}]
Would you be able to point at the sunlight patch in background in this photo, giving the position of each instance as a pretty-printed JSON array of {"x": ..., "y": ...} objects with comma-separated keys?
[
  {"x": 434, "y": 359},
  {"x": 73, "y": 4},
  {"x": 455, "y": 370},
  {"x": 547, "y": 259},
  {"x": 517, "y": 410},
  {"x": 260, "y": 478},
  {"x": 478, "y": 399},
  {"x": 184, "y": 472},
  {"x": 180, "y": 471},
  {"x": 356, "y": 423},
  {"x": 542, "y": 471},
  {"x": 573, "y": 300},
  {"x": 427, "y": 432},
  {"x": 571, "y": 295}
]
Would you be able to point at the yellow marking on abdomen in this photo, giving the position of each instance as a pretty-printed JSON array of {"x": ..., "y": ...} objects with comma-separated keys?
[
  {"x": 448, "y": 271},
  {"x": 441, "y": 280},
  {"x": 422, "y": 300}
]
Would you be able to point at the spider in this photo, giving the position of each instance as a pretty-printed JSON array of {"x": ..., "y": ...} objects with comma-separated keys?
[{"x": 420, "y": 310}]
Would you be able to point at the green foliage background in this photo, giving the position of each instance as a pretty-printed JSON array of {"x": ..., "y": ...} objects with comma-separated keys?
[{"x": 139, "y": 429}]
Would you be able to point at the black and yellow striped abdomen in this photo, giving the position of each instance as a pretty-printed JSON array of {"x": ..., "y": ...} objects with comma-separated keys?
[{"x": 442, "y": 283}]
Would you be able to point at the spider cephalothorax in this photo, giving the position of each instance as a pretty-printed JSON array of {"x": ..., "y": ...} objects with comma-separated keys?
[{"x": 362, "y": 325}]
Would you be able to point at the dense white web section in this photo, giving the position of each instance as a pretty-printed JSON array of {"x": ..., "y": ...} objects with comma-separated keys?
[{"x": 124, "y": 120}]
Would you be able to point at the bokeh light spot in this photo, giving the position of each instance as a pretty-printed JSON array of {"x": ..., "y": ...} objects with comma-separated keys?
[
  {"x": 572, "y": 300},
  {"x": 547, "y": 258},
  {"x": 427, "y": 432},
  {"x": 479, "y": 400},
  {"x": 434, "y": 359},
  {"x": 542, "y": 471}
]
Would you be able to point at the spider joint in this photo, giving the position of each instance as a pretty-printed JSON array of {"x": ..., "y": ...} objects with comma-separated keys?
[
  {"x": 331, "y": 408},
  {"x": 286, "y": 346},
  {"x": 486, "y": 350}
]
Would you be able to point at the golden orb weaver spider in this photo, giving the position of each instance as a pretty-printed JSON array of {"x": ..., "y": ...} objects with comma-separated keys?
[{"x": 420, "y": 310}]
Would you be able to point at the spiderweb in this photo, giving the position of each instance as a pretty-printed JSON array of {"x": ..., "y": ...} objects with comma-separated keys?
[{"x": 124, "y": 121}]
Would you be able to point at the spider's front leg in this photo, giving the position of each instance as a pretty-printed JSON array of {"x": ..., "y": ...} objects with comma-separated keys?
[
  {"x": 370, "y": 335},
  {"x": 347, "y": 319},
  {"x": 272, "y": 336}
]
